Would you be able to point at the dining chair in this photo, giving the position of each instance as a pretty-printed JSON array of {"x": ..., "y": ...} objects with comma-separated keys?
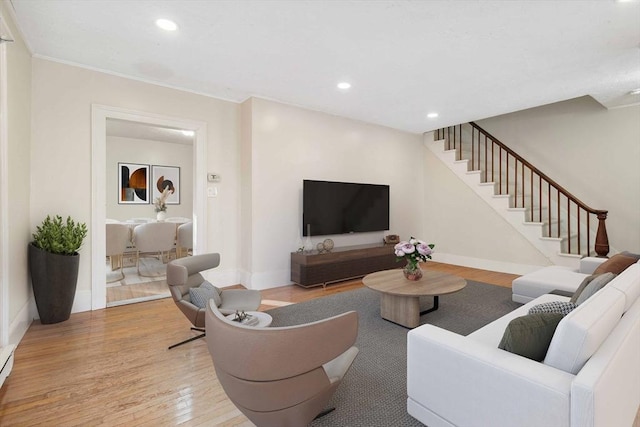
[
  {"x": 184, "y": 246},
  {"x": 118, "y": 238},
  {"x": 153, "y": 239}
]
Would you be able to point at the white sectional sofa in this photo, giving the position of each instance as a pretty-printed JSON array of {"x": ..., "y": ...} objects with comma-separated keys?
[
  {"x": 590, "y": 376},
  {"x": 530, "y": 286}
]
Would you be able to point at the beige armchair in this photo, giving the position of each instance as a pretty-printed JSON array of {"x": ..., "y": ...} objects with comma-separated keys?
[
  {"x": 281, "y": 376},
  {"x": 184, "y": 273}
]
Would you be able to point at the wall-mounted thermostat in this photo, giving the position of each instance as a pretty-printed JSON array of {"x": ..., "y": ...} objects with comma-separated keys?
[{"x": 213, "y": 177}]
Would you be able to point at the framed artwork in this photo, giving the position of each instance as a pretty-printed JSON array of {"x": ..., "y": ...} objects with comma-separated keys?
[
  {"x": 133, "y": 184},
  {"x": 166, "y": 177}
]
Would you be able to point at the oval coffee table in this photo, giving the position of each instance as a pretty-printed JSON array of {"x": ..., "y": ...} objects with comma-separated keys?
[{"x": 400, "y": 298}]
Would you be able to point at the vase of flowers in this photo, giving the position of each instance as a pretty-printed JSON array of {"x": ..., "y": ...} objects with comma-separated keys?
[
  {"x": 160, "y": 205},
  {"x": 414, "y": 251}
]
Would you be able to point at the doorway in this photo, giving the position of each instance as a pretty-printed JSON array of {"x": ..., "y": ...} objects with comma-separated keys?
[
  {"x": 160, "y": 152},
  {"x": 100, "y": 115}
]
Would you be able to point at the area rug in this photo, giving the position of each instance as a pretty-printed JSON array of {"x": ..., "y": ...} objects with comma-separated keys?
[
  {"x": 374, "y": 391},
  {"x": 151, "y": 268}
]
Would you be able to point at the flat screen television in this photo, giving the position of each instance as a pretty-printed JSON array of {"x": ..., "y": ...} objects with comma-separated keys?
[{"x": 344, "y": 207}]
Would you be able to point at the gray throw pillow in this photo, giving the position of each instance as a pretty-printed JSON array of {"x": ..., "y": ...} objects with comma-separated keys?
[
  {"x": 591, "y": 287},
  {"x": 560, "y": 307},
  {"x": 203, "y": 293},
  {"x": 529, "y": 336}
]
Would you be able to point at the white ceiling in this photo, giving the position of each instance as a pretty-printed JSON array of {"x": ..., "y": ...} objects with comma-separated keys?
[{"x": 466, "y": 60}]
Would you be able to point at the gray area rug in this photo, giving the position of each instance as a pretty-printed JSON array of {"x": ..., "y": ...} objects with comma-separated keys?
[{"x": 374, "y": 391}]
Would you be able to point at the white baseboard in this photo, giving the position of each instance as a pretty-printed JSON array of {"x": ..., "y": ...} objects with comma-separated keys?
[
  {"x": 82, "y": 301},
  {"x": 6, "y": 362},
  {"x": 266, "y": 280},
  {"x": 23, "y": 320},
  {"x": 485, "y": 264}
]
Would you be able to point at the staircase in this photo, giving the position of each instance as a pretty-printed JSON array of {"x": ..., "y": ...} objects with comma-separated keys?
[{"x": 557, "y": 223}]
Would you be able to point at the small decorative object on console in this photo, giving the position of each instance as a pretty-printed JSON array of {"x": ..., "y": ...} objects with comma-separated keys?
[
  {"x": 391, "y": 239},
  {"x": 327, "y": 245},
  {"x": 320, "y": 247},
  {"x": 414, "y": 251}
]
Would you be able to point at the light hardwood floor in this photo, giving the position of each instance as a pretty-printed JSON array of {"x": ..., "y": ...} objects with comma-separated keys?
[{"x": 112, "y": 367}]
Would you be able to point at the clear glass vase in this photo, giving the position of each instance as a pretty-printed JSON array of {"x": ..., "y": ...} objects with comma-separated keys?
[{"x": 412, "y": 271}]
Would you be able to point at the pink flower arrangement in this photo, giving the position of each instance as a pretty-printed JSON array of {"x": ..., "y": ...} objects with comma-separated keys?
[{"x": 414, "y": 251}]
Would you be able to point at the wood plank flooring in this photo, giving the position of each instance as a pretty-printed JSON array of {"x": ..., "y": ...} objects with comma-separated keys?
[{"x": 111, "y": 367}]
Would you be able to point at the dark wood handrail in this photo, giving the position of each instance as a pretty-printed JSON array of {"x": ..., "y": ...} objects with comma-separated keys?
[
  {"x": 519, "y": 165},
  {"x": 540, "y": 173}
]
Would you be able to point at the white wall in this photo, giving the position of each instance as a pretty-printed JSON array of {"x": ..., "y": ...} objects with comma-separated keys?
[
  {"x": 61, "y": 157},
  {"x": 142, "y": 151},
  {"x": 290, "y": 144},
  {"x": 591, "y": 151},
  {"x": 19, "y": 108}
]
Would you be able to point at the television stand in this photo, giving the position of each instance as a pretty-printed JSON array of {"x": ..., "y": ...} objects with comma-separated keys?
[{"x": 310, "y": 269}]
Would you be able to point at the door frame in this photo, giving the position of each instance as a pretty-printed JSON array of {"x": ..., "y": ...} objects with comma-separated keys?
[
  {"x": 4, "y": 190},
  {"x": 99, "y": 116}
]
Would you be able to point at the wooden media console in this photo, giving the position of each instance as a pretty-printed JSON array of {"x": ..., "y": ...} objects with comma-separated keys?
[{"x": 313, "y": 268}]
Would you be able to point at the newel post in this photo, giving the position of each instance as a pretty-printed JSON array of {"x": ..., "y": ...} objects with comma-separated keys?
[{"x": 602, "y": 241}]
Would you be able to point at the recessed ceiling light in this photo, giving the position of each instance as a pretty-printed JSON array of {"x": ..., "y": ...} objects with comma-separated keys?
[
  {"x": 344, "y": 85},
  {"x": 635, "y": 92},
  {"x": 188, "y": 132},
  {"x": 432, "y": 115},
  {"x": 166, "y": 24}
]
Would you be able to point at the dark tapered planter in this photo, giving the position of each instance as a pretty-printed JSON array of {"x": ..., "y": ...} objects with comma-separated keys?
[{"x": 54, "y": 278}]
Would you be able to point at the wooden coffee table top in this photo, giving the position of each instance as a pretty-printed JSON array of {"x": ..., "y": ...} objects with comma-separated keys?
[{"x": 432, "y": 283}]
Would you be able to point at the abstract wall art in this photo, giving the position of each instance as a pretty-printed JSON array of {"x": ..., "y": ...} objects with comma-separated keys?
[
  {"x": 166, "y": 177},
  {"x": 133, "y": 184}
]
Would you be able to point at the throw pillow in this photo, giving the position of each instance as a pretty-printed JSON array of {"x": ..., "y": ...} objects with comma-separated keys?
[
  {"x": 616, "y": 264},
  {"x": 529, "y": 336},
  {"x": 594, "y": 286},
  {"x": 583, "y": 285},
  {"x": 203, "y": 293},
  {"x": 561, "y": 307}
]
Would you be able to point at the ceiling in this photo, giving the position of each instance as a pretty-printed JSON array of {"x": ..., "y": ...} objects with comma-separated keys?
[{"x": 465, "y": 60}]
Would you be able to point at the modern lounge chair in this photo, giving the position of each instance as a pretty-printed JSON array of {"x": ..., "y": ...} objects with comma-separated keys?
[
  {"x": 184, "y": 273},
  {"x": 281, "y": 376}
]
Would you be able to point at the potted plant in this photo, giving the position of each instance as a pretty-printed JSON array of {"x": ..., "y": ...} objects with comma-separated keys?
[{"x": 53, "y": 264}]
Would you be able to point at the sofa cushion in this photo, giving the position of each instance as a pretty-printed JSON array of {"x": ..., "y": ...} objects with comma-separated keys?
[
  {"x": 616, "y": 264},
  {"x": 529, "y": 336},
  {"x": 628, "y": 282},
  {"x": 590, "y": 286},
  {"x": 545, "y": 280},
  {"x": 580, "y": 333},
  {"x": 560, "y": 307},
  {"x": 201, "y": 295}
]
